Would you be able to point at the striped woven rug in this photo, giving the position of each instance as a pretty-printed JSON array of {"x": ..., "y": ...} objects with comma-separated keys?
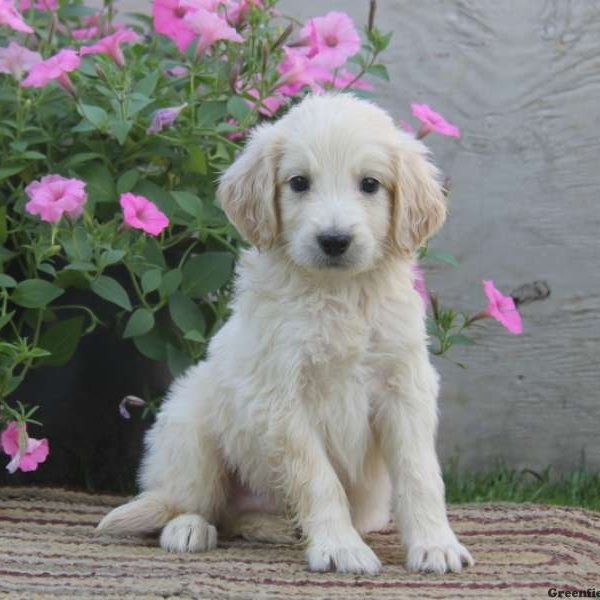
[{"x": 48, "y": 549}]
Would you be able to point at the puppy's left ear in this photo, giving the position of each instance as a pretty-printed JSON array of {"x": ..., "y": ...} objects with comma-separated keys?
[
  {"x": 419, "y": 204},
  {"x": 247, "y": 189}
]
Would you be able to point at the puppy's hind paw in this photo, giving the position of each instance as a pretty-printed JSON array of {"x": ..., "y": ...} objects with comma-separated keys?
[
  {"x": 445, "y": 556},
  {"x": 353, "y": 556},
  {"x": 188, "y": 533}
]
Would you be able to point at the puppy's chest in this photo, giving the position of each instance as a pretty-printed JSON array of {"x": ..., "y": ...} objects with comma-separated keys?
[{"x": 337, "y": 378}]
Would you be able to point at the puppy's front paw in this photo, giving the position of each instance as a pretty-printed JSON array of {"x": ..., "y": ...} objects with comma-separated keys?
[
  {"x": 188, "y": 533},
  {"x": 438, "y": 554},
  {"x": 349, "y": 555}
]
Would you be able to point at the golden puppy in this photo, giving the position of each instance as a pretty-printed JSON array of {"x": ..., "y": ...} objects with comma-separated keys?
[{"x": 319, "y": 390}]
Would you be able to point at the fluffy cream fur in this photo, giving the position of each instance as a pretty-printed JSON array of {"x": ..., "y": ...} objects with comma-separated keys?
[{"x": 318, "y": 390}]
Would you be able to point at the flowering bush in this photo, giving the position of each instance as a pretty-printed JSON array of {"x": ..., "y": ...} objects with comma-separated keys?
[{"x": 112, "y": 136}]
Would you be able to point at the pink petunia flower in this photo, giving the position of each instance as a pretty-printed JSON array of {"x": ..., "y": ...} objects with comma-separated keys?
[
  {"x": 298, "y": 71},
  {"x": 235, "y": 136},
  {"x": 168, "y": 17},
  {"x": 95, "y": 25},
  {"x": 502, "y": 308},
  {"x": 344, "y": 78},
  {"x": 419, "y": 283},
  {"x": 38, "y": 5},
  {"x": 26, "y": 453},
  {"x": 268, "y": 106},
  {"x": 177, "y": 71},
  {"x": 236, "y": 12},
  {"x": 12, "y": 18},
  {"x": 335, "y": 37},
  {"x": 432, "y": 121},
  {"x": 16, "y": 59},
  {"x": 111, "y": 45},
  {"x": 53, "y": 196},
  {"x": 129, "y": 401},
  {"x": 164, "y": 117},
  {"x": 54, "y": 68},
  {"x": 211, "y": 28},
  {"x": 141, "y": 213}
]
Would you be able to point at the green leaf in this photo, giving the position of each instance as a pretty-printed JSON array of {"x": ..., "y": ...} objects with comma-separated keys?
[
  {"x": 78, "y": 246},
  {"x": 9, "y": 171},
  {"x": 110, "y": 257},
  {"x": 13, "y": 383},
  {"x": 140, "y": 322},
  {"x": 189, "y": 202},
  {"x": 147, "y": 85},
  {"x": 460, "y": 340},
  {"x": 96, "y": 115},
  {"x": 206, "y": 273},
  {"x": 5, "y": 319},
  {"x": 120, "y": 130},
  {"x": 196, "y": 162},
  {"x": 100, "y": 185},
  {"x": 127, "y": 181},
  {"x": 171, "y": 281},
  {"x": 6, "y": 281},
  {"x": 177, "y": 360},
  {"x": 152, "y": 253},
  {"x": 237, "y": 108},
  {"x": 81, "y": 157},
  {"x": 185, "y": 313},
  {"x": 111, "y": 290},
  {"x": 379, "y": 71},
  {"x": 194, "y": 336},
  {"x": 48, "y": 269},
  {"x": 137, "y": 102},
  {"x": 61, "y": 341},
  {"x": 151, "y": 280},
  {"x": 151, "y": 345},
  {"x": 210, "y": 113},
  {"x": 81, "y": 265},
  {"x": 35, "y": 293},
  {"x": 441, "y": 256},
  {"x": 32, "y": 155},
  {"x": 3, "y": 225}
]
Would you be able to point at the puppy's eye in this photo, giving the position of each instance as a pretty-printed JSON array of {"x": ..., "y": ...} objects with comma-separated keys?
[
  {"x": 368, "y": 185},
  {"x": 299, "y": 183}
]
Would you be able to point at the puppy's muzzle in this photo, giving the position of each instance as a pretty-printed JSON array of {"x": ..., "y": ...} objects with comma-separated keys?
[{"x": 333, "y": 243}]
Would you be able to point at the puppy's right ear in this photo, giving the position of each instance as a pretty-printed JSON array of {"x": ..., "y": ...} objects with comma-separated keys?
[{"x": 247, "y": 188}]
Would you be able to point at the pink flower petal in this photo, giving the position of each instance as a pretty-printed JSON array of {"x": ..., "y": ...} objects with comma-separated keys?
[
  {"x": 434, "y": 121},
  {"x": 55, "y": 67},
  {"x": 111, "y": 45},
  {"x": 333, "y": 39},
  {"x": 502, "y": 308},
  {"x": 54, "y": 196},
  {"x": 141, "y": 213},
  {"x": 12, "y": 18}
]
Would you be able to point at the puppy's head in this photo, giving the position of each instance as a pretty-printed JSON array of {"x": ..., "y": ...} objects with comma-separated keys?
[{"x": 336, "y": 185}]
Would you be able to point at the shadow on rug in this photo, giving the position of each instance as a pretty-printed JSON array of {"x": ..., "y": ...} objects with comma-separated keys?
[{"x": 48, "y": 548}]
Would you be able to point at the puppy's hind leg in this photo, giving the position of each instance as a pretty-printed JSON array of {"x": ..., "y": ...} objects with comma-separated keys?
[{"x": 182, "y": 477}]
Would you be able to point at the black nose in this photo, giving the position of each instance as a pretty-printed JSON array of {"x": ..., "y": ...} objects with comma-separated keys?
[{"x": 334, "y": 244}]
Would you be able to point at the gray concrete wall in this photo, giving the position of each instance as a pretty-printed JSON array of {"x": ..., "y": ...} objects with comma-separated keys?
[{"x": 522, "y": 79}]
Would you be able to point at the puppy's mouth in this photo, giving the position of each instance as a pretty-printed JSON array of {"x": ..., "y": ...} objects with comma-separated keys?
[
  {"x": 323, "y": 262},
  {"x": 337, "y": 263}
]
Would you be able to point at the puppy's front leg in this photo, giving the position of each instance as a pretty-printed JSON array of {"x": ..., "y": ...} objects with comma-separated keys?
[
  {"x": 319, "y": 500},
  {"x": 407, "y": 423}
]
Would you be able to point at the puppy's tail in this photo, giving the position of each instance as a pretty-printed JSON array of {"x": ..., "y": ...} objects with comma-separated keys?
[{"x": 147, "y": 513}]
